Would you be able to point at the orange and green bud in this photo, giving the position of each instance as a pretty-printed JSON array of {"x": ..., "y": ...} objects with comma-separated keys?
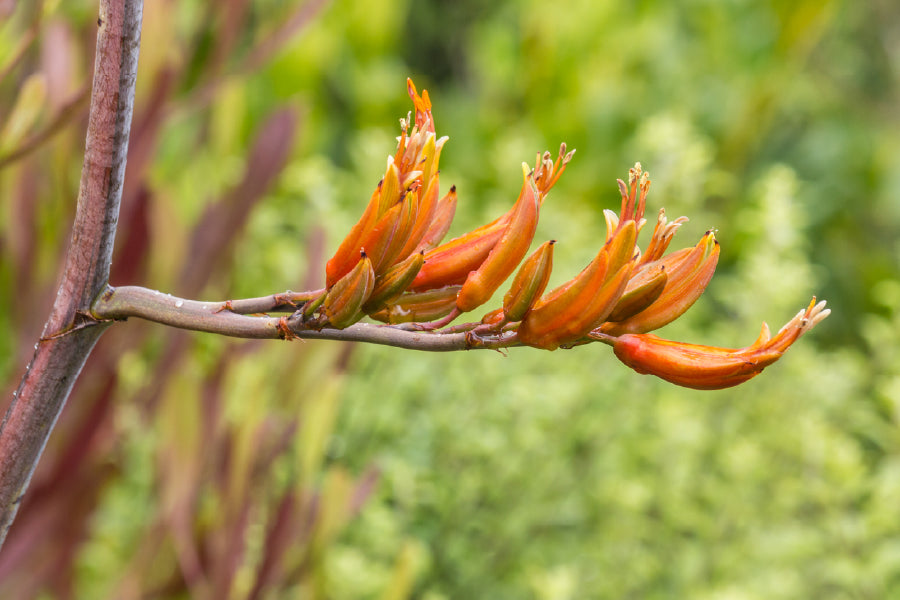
[
  {"x": 621, "y": 248},
  {"x": 642, "y": 290},
  {"x": 573, "y": 310},
  {"x": 688, "y": 272},
  {"x": 507, "y": 253},
  {"x": 529, "y": 283},
  {"x": 418, "y": 307},
  {"x": 394, "y": 282},
  {"x": 708, "y": 367},
  {"x": 343, "y": 303}
]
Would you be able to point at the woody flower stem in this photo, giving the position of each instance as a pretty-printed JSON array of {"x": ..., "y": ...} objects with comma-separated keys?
[
  {"x": 223, "y": 318},
  {"x": 70, "y": 333}
]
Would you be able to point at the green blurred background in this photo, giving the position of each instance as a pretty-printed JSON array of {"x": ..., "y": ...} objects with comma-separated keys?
[{"x": 192, "y": 466}]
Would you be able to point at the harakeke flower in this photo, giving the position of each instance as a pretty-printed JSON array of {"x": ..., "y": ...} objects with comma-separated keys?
[
  {"x": 402, "y": 210},
  {"x": 708, "y": 367},
  {"x": 393, "y": 268}
]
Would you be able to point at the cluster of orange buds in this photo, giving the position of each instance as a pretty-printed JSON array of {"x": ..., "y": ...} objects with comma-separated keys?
[
  {"x": 624, "y": 293},
  {"x": 393, "y": 268},
  {"x": 391, "y": 265},
  {"x": 623, "y": 290},
  {"x": 384, "y": 251}
]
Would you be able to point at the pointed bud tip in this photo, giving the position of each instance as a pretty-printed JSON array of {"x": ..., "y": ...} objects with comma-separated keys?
[{"x": 819, "y": 317}]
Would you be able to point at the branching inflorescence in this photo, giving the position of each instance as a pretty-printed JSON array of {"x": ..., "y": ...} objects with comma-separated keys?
[{"x": 392, "y": 268}]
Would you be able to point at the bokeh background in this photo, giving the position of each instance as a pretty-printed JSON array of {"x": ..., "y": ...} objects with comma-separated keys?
[{"x": 188, "y": 465}]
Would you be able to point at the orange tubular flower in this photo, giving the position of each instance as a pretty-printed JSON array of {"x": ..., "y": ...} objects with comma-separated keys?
[
  {"x": 529, "y": 283},
  {"x": 508, "y": 252},
  {"x": 572, "y": 310},
  {"x": 708, "y": 367},
  {"x": 451, "y": 263}
]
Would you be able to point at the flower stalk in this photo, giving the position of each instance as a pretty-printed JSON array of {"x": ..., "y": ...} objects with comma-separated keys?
[{"x": 392, "y": 268}]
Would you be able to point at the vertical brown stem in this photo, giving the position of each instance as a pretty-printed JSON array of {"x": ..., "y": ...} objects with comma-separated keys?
[{"x": 70, "y": 334}]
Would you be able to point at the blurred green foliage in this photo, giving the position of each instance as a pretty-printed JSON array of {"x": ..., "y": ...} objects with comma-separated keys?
[{"x": 533, "y": 475}]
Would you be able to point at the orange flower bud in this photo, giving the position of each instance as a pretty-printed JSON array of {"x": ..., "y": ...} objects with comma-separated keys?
[
  {"x": 406, "y": 222},
  {"x": 507, "y": 253},
  {"x": 343, "y": 303},
  {"x": 440, "y": 222},
  {"x": 426, "y": 211},
  {"x": 572, "y": 310},
  {"x": 529, "y": 283},
  {"x": 417, "y": 307},
  {"x": 450, "y": 263},
  {"x": 688, "y": 272},
  {"x": 394, "y": 282},
  {"x": 642, "y": 290},
  {"x": 621, "y": 248},
  {"x": 708, "y": 367},
  {"x": 429, "y": 157},
  {"x": 347, "y": 254},
  {"x": 383, "y": 242}
]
